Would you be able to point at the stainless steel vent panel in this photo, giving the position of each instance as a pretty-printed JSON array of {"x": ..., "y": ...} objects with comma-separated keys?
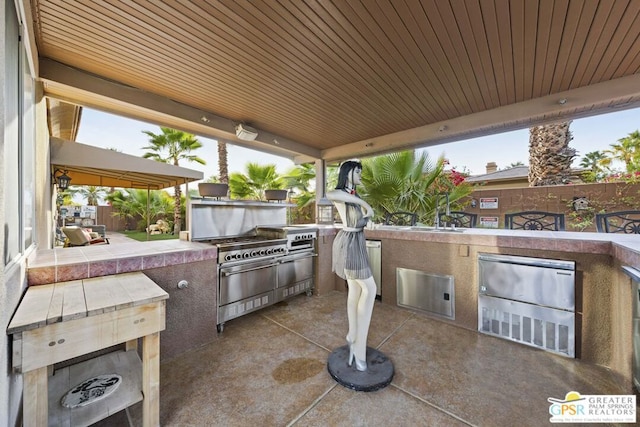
[{"x": 542, "y": 327}]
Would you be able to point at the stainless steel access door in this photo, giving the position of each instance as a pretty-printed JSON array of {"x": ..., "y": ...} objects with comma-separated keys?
[{"x": 433, "y": 293}]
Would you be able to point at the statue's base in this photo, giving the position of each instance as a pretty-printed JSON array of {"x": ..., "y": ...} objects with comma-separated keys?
[{"x": 378, "y": 375}]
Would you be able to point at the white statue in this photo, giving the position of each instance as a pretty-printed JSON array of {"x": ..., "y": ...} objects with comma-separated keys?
[{"x": 350, "y": 259}]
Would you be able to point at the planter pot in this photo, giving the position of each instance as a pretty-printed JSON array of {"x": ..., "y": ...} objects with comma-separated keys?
[
  {"x": 275, "y": 194},
  {"x": 209, "y": 189}
]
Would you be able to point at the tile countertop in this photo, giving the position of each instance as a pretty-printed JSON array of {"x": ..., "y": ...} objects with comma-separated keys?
[
  {"x": 64, "y": 264},
  {"x": 624, "y": 247}
]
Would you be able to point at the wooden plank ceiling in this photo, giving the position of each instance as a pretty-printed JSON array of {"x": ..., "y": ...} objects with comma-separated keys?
[{"x": 332, "y": 73}]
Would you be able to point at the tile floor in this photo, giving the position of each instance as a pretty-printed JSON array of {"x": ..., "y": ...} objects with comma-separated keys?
[{"x": 269, "y": 369}]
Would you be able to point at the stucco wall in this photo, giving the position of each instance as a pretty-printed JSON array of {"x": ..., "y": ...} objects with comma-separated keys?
[
  {"x": 191, "y": 312},
  {"x": 603, "y": 299}
]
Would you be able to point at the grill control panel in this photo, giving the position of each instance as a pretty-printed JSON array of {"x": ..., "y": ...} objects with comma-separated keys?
[{"x": 252, "y": 253}]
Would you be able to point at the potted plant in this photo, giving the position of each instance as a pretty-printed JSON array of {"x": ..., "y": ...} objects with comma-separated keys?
[
  {"x": 275, "y": 194},
  {"x": 213, "y": 188}
]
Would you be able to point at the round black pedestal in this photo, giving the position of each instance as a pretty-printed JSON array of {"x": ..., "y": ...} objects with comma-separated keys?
[{"x": 378, "y": 375}]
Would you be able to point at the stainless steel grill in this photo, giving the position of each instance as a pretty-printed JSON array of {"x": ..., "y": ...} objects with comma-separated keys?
[{"x": 268, "y": 265}]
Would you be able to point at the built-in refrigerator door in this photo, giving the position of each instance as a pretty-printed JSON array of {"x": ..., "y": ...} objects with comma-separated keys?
[{"x": 374, "y": 251}]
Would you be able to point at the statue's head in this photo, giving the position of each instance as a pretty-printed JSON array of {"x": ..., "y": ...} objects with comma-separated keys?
[{"x": 346, "y": 173}]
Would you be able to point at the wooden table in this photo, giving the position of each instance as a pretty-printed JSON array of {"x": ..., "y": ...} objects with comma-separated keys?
[{"x": 61, "y": 321}]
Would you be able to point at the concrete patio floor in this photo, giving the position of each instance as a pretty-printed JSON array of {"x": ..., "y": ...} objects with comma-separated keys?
[{"x": 269, "y": 368}]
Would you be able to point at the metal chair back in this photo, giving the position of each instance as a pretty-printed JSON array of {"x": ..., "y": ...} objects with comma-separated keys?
[
  {"x": 459, "y": 219},
  {"x": 534, "y": 220},
  {"x": 400, "y": 218},
  {"x": 626, "y": 222}
]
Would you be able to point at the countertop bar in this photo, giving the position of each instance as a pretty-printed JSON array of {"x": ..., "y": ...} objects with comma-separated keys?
[
  {"x": 56, "y": 265},
  {"x": 624, "y": 247},
  {"x": 65, "y": 264}
]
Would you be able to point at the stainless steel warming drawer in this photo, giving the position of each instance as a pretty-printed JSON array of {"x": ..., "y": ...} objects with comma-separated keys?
[
  {"x": 295, "y": 275},
  {"x": 528, "y": 300}
]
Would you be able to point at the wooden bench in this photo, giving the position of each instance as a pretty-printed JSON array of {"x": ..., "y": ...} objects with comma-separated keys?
[{"x": 60, "y": 321}]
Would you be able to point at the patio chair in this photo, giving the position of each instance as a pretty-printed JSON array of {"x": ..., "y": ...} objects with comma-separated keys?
[
  {"x": 400, "y": 218},
  {"x": 534, "y": 220},
  {"x": 78, "y": 236},
  {"x": 626, "y": 222},
  {"x": 459, "y": 219}
]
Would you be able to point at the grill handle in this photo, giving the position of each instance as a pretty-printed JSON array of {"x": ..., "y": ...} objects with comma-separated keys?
[
  {"x": 231, "y": 273},
  {"x": 295, "y": 257}
]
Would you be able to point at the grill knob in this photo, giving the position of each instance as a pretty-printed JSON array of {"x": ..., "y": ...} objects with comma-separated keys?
[
  {"x": 246, "y": 255},
  {"x": 254, "y": 253},
  {"x": 262, "y": 252},
  {"x": 228, "y": 257}
]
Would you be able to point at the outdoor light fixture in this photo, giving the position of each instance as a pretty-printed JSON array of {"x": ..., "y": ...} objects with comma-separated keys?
[
  {"x": 324, "y": 207},
  {"x": 245, "y": 132},
  {"x": 325, "y": 211},
  {"x": 63, "y": 180}
]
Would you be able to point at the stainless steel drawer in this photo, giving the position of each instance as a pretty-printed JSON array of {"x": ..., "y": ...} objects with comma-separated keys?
[{"x": 538, "y": 281}]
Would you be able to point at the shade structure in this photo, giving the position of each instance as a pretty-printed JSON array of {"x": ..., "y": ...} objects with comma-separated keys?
[{"x": 89, "y": 165}]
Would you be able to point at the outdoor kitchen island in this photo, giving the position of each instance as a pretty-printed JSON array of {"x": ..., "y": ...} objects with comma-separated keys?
[{"x": 603, "y": 291}]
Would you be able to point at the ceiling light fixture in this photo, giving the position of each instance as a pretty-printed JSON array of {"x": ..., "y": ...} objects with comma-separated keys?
[
  {"x": 442, "y": 128},
  {"x": 205, "y": 119},
  {"x": 562, "y": 101},
  {"x": 245, "y": 132}
]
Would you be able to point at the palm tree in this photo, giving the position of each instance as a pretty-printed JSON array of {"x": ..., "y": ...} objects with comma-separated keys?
[
  {"x": 550, "y": 156},
  {"x": 92, "y": 193},
  {"x": 593, "y": 162},
  {"x": 177, "y": 145},
  {"x": 403, "y": 181},
  {"x": 299, "y": 178},
  {"x": 514, "y": 165},
  {"x": 132, "y": 204},
  {"x": 626, "y": 150},
  {"x": 223, "y": 163},
  {"x": 257, "y": 179}
]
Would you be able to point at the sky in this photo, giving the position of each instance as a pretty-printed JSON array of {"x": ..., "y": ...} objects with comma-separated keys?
[{"x": 589, "y": 134}]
